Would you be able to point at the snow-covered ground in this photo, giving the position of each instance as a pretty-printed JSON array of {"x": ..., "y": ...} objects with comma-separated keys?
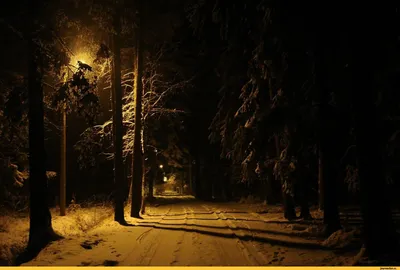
[
  {"x": 181, "y": 231},
  {"x": 14, "y": 227}
]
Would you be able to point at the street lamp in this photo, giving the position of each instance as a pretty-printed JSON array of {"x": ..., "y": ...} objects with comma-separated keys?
[{"x": 82, "y": 57}]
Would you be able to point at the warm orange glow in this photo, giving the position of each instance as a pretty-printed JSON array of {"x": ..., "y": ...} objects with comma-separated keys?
[
  {"x": 84, "y": 57},
  {"x": 161, "y": 166}
]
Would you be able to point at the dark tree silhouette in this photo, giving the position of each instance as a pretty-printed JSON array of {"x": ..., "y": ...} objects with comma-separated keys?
[
  {"x": 117, "y": 118},
  {"x": 137, "y": 158},
  {"x": 368, "y": 42},
  {"x": 40, "y": 226},
  {"x": 328, "y": 156}
]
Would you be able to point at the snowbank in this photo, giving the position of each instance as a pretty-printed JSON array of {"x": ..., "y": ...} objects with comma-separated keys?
[
  {"x": 342, "y": 238},
  {"x": 14, "y": 228}
]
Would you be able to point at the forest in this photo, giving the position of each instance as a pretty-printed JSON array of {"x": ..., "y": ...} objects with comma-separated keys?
[{"x": 200, "y": 107}]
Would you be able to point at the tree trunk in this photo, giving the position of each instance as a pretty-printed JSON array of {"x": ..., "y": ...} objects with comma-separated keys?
[
  {"x": 152, "y": 163},
  {"x": 144, "y": 182},
  {"x": 367, "y": 47},
  {"x": 40, "y": 227},
  {"x": 117, "y": 120},
  {"x": 269, "y": 187},
  {"x": 328, "y": 160},
  {"x": 328, "y": 152},
  {"x": 197, "y": 180},
  {"x": 270, "y": 175},
  {"x": 63, "y": 165},
  {"x": 304, "y": 186},
  {"x": 151, "y": 184},
  {"x": 128, "y": 180},
  {"x": 288, "y": 200},
  {"x": 137, "y": 160},
  {"x": 288, "y": 205},
  {"x": 190, "y": 167},
  {"x": 320, "y": 181}
]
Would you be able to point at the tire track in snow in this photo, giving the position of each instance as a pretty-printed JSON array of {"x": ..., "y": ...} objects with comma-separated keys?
[
  {"x": 180, "y": 239},
  {"x": 210, "y": 250},
  {"x": 171, "y": 243},
  {"x": 242, "y": 247},
  {"x": 148, "y": 245},
  {"x": 250, "y": 245},
  {"x": 154, "y": 244},
  {"x": 203, "y": 249}
]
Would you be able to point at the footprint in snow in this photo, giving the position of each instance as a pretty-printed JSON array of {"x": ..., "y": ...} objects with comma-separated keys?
[
  {"x": 90, "y": 244},
  {"x": 110, "y": 263}
]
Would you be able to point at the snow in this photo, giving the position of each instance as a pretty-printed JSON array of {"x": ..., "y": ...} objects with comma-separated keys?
[
  {"x": 342, "y": 238},
  {"x": 14, "y": 228},
  {"x": 181, "y": 231}
]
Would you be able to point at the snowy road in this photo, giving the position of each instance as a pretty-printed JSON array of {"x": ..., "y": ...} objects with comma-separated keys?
[{"x": 188, "y": 232}]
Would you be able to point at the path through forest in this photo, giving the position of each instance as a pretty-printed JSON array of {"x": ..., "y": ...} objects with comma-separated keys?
[{"x": 187, "y": 232}]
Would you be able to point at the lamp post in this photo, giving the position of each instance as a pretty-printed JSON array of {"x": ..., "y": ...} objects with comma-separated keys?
[{"x": 63, "y": 167}]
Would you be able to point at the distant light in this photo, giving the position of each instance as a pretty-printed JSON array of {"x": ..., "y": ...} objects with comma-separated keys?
[
  {"x": 161, "y": 166},
  {"x": 165, "y": 179}
]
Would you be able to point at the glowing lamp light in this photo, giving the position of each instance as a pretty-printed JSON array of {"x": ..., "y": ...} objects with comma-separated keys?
[
  {"x": 85, "y": 58},
  {"x": 165, "y": 179},
  {"x": 161, "y": 166}
]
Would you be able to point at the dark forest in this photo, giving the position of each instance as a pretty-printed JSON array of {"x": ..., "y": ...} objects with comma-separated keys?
[{"x": 199, "y": 133}]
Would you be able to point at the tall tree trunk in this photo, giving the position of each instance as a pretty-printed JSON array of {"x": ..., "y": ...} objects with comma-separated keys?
[
  {"x": 149, "y": 175},
  {"x": 63, "y": 165},
  {"x": 303, "y": 186},
  {"x": 40, "y": 227},
  {"x": 137, "y": 159},
  {"x": 128, "y": 180},
  {"x": 288, "y": 205},
  {"x": 288, "y": 200},
  {"x": 269, "y": 174},
  {"x": 144, "y": 176},
  {"x": 320, "y": 181},
  {"x": 117, "y": 119},
  {"x": 190, "y": 172},
  {"x": 197, "y": 180},
  {"x": 368, "y": 43},
  {"x": 151, "y": 182},
  {"x": 327, "y": 152}
]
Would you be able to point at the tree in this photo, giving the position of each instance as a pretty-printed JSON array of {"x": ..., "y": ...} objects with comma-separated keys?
[
  {"x": 40, "y": 227},
  {"x": 164, "y": 85},
  {"x": 380, "y": 237},
  {"x": 137, "y": 158},
  {"x": 328, "y": 154},
  {"x": 117, "y": 118},
  {"x": 265, "y": 62}
]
